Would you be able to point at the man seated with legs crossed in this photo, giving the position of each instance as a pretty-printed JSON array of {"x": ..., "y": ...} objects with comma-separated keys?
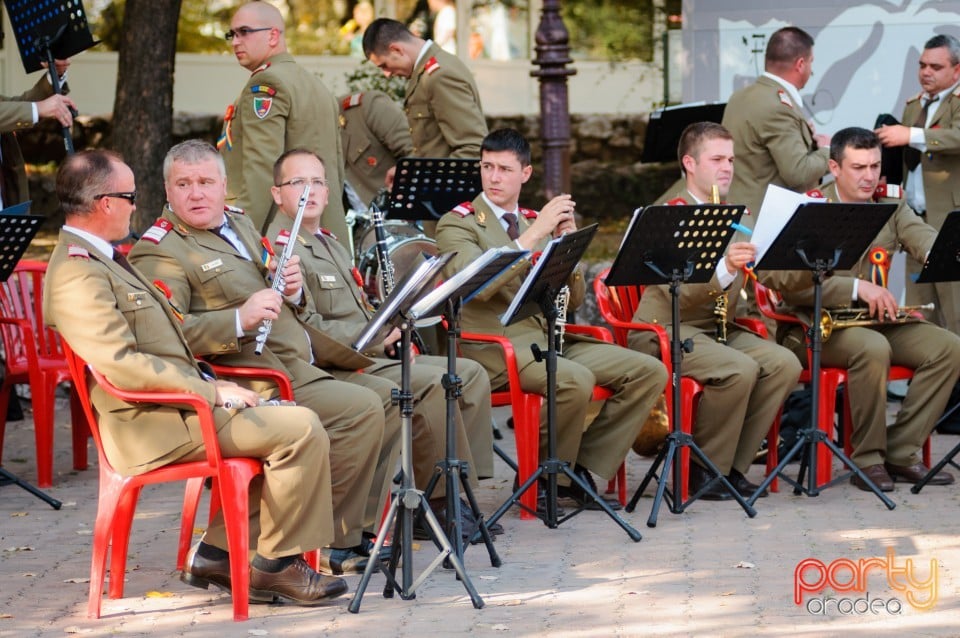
[
  {"x": 745, "y": 378},
  {"x": 117, "y": 321},
  {"x": 885, "y": 454},
  {"x": 494, "y": 219}
]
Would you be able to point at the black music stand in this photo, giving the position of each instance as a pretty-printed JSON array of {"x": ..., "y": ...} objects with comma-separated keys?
[
  {"x": 821, "y": 237},
  {"x": 454, "y": 293},
  {"x": 538, "y": 295},
  {"x": 46, "y": 30},
  {"x": 395, "y": 312},
  {"x": 424, "y": 188},
  {"x": 675, "y": 245},
  {"x": 17, "y": 229},
  {"x": 943, "y": 264},
  {"x": 667, "y": 124}
]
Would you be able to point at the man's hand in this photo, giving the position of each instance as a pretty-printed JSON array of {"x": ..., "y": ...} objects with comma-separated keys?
[
  {"x": 388, "y": 178},
  {"x": 879, "y": 300},
  {"x": 390, "y": 343},
  {"x": 896, "y": 135},
  {"x": 235, "y": 395},
  {"x": 292, "y": 277},
  {"x": 58, "y": 107},
  {"x": 739, "y": 254},
  {"x": 555, "y": 218},
  {"x": 263, "y": 304},
  {"x": 822, "y": 140}
]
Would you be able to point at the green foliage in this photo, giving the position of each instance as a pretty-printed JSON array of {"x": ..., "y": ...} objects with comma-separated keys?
[
  {"x": 610, "y": 29},
  {"x": 367, "y": 77}
]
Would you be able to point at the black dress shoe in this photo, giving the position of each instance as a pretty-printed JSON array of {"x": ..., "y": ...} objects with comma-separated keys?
[
  {"x": 202, "y": 572},
  {"x": 541, "y": 497},
  {"x": 336, "y": 562},
  {"x": 876, "y": 473},
  {"x": 468, "y": 524},
  {"x": 297, "y": 583},
  {"x": 915, "y": 473},
  {"x": 575, "y": 493},
  {"x": 743, "y": 485},
  {"x": 700, "y": 477}
]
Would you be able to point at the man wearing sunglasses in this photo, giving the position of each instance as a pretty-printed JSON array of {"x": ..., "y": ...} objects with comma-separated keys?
[{"x": 281, "y": 105}]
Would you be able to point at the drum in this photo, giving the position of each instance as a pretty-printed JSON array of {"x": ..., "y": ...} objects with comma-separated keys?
[{"x": 405, "y": 247}]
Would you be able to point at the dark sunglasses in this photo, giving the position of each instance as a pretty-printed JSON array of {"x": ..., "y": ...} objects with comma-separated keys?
[{"x": 129, "y": 196}]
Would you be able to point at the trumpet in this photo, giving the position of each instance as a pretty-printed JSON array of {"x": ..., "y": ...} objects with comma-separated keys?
[{"x": 831, "y": 320}]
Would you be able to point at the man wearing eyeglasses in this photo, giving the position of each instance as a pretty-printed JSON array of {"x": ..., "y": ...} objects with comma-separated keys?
[{"x": 281, "y": 105}]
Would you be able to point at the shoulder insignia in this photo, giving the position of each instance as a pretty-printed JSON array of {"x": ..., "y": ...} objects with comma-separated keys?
[
  {"x": 677, "y": 201},
  {"x": 528, "y": 213},
  {"x": 892, "y": 191},
  {"x": 158, "y": 231},
  {"x": 262, "y": 106},
  {"x": 351, "y": 101},
  {"x": 328, "y": 233},
  {"x": 262, "y": 67},
  {"x": 915, "y": 97},
  {"x": 815, "y": 193},
  {"x": 236, "y": 210},
  {"x": 431, "y": 66},
  {"x": 77, "y": 251},
  {"x": 263, "y": 88},
  {"x": 464, "y": 209}
]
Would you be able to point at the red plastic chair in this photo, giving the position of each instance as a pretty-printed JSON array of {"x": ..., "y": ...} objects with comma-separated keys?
[
  {"x": 526, "y": 408},
  {"x": 830, "y": 380},
  {"x": 33, "y": 355},
  {"x": 118, "y": 494}
]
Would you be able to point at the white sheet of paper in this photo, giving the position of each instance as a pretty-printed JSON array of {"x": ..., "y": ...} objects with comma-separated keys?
[{"x": 779, "y": 205}]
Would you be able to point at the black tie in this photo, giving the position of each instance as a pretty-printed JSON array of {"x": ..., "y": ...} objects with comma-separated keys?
[
  {"x": 120, "y": 259},
  {"x": 911, "y": 156},
  {"x": 513, "y": 229},
  {"x": 219, "y": 232}
]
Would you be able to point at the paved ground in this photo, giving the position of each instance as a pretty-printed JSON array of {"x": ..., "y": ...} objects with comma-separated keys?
[{"x": 708, "y": 572}]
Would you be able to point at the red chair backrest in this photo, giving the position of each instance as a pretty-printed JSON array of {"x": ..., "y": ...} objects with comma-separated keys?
[{"x": 21, "y": 298}]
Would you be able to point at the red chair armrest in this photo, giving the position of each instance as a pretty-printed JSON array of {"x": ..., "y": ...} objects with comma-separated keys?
[
  {"x": 279, "y": 378},
  {"x": 597, "y": 332},
  {"x": 754, "y": 325}
]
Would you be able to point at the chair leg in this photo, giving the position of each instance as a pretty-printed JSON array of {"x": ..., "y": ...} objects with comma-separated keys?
[
  {"x": 5, "y": 390},
  {"x": 110, "y": 490},
  {"x": 80, "y": 430},
  {"x": 527, "y": 434},
  {"x": 191, "y": 501},
  {"x": 42, "y": 397},
  {"x": 234, "y": 495},
  {"x": 120, "y": 539}
]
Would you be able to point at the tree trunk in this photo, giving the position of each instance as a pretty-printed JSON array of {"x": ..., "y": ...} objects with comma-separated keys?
[{"x": 143, "y": 107}]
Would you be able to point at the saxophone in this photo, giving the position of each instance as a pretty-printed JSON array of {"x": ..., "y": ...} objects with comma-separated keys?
[
  {"x": 562, "y": 302},
  {"x": 720, "y": 301}
]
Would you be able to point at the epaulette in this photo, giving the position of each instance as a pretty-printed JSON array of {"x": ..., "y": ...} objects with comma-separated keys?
[
  {"x": 892, "y": 191},
  {"x": 784, "y": 98},
  {"x": 528, "y": 213},
  {"x": 677, "y": 201},
  {"x": 464, "y": 209},
  {"x": 236, "y": 210},
  {"x": 915, "y": 97},
  {"x": 351, "y": 101},
  {"x": 77, "y": 251},
  {"x": 431, "y": 66},
  {"x": 815, "y": 193},
  {"x": 328, "y": 233},
  {"x": 262, "y": 67},
  {"x": 158, "y": 231}
]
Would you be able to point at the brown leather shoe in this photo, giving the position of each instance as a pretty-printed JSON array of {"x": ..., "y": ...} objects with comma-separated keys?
[
  {"x": 915, "y": 473},
  {"x": 875, "y": 473},
  {"x": 202, "y": 572},
  {"x": 297, "y": 584}
]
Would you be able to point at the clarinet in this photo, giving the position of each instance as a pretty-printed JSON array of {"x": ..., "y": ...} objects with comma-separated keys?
[
  {"x": 387, "y": 272},
  {"x": 720, "y": 301},
  {"x": 562, "y": 301},
  {"x": 263, "y": 332}
]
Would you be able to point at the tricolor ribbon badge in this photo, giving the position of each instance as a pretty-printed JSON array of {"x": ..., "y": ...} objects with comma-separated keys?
[
  {"x": 879, "y": 266},
  {"x": 165, "y": 289},
  {"x": 266, "y": 254}
]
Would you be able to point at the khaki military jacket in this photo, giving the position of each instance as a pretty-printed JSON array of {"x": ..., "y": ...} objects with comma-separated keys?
[
  {"x": 773, "y": 144},
  {"x": 283, "y": 106},
  {"x": 121, "y": 324},
  {"x": 940, "y": 163},
  {"x": 443, "y": 107},
  {"x": 16, "y": 113},
  {"x": 374, "y": 135},
  {"x": 470, "y": 230}
]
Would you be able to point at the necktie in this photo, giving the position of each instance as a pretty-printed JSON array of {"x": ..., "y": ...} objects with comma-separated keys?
[
  {"x": 227, "y": 234},
  {"x": 120, "y": 259},
  {"x": 513, "y": 228},
  {"x": 911, "y": 156}
]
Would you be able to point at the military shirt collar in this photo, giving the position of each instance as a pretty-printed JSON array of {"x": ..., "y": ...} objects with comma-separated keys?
[
  {"x": 423, "y": 52},
  {"x": 791, "y": 90},
  {"x": 499, "y": 212},
  {"x": 102, "y": 245}
]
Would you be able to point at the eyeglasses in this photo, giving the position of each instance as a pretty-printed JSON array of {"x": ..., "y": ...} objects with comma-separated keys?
[
  {"x": 300, "y": 182},
  {"x": 243, "y": 32},
  {"x": 130, "y": 196}
]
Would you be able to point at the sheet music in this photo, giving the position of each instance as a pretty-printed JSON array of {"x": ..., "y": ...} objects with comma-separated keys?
[{"x": 779, "y": 205}]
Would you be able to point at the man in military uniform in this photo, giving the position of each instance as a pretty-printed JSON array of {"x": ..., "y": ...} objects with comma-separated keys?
[
  {"x": 209, "y": 261},
  {"x": 884, "y": 453},
  {"x": 374, "y": 135},
  {"x": 637, "y": 380},
  {"x": 282, "y": 105},
  {"x": 745, "y": 378},
  {"x": 775, "y": 143},
  {"x": 22, "y": 112},
  {"x": 442, "y": 102},
  {"x": 119, "y": 323},
  {"x": 342, "y": 311},
  {"x": 931, "y": 141}
]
